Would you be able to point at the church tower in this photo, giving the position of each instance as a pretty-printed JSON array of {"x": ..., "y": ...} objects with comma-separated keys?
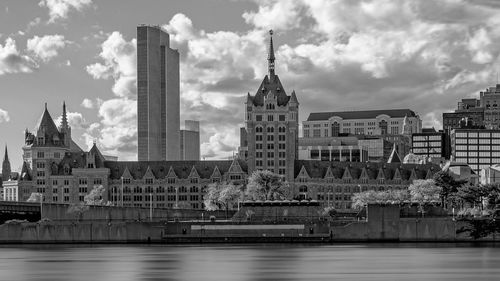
[
  {"x": 272, "y": 124},
  {"x": 6, "y": 166}
]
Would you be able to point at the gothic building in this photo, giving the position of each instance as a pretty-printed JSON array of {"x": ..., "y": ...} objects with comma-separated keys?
[{"x": 272, "y": 125}]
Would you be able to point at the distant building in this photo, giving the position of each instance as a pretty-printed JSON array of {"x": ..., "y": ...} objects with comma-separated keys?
[
  {"x": 364, "y": 122},
  {"x": 490, "y": 101},
  {"x": 158, "y": 98},
  {"x": 334, "y": 183},
  {"x": 190, "y": 140},
  {"x": 272, "y": 125},
  {"x": 430, "y": 144},
  {"x": 475, "y": 147},
  {"x": 490, "y": 175}
]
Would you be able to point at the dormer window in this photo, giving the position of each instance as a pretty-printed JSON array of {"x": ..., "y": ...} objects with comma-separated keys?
[{"x": 149, "y": 181}]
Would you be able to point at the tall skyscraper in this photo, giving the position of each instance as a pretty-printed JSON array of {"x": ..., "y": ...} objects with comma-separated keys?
[
  {"x": 272, "y": 125},
  {"x": 190, "y": 140},
  {"x": 158, "y": 99}
]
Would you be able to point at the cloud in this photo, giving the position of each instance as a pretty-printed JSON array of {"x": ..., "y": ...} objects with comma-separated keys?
[
  {"x": 75, "y": 120},
  {"x": 88, "y": 103},
  {"x": 12, "y": 61},
  {"x": 4, "y": 116},
  {"x": 116, "y": 132},
  {"x": 59, "y": 9},
  {"x": 46, "y": 47},
  {"x": 118, "y": 62},
  {"x": 337, "y": 55}
]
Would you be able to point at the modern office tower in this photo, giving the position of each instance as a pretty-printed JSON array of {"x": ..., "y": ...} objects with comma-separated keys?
[
  {"x": 158, "y": 101},
  {"x": 190, "y": 140},
  {"x": 272, "y": 125},
  {"x": 429, "y": 143},
  {"x": 480, "y": 148}
]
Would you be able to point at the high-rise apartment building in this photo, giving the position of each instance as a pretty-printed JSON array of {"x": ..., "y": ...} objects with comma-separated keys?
[
  {"x": 272, "y": 125},
  {"x": 190, "y": 140},
  {"x": 158, "y": 100}
]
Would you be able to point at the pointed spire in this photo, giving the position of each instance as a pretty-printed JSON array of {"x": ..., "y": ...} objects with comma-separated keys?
[
  {"x": 271, "y": 57},
  {"x": 293, "y": 98},
  {"x": 6, "y": 166},
  {"x": 6, "y": 156},
  {"x": 64, "y": 122}
]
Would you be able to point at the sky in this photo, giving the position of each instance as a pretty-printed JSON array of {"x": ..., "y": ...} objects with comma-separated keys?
[{"x": 336, "y": 54}]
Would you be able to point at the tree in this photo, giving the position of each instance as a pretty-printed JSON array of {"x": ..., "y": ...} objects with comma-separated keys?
[
  {"x": 449, "y": 186},
  {"x": 482, "y": 195},
  {"x": 362, "y": 199},
  {"x": 94, "y": 198},
  {"x": 266, "y": 185},
  {"x": 222, "y": 195},
  {"x": 424, "y": 191}
]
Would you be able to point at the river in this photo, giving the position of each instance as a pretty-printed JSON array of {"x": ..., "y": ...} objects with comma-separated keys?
[{"x": 251, "y": 262}]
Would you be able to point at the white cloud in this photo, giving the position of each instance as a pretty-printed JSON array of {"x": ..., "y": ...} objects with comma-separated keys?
[
  {"x": 119, "y": 63},
  {"x": 4, "y": 116},
  {"x": 88, "y": 103},
  {"x": 46, "y": 47},
  {"x": 12, "y": 61},
  {"x": 59, "y": 9},
  {"x": 75, "y": 120},
  {"x": 275, "y": 15}
]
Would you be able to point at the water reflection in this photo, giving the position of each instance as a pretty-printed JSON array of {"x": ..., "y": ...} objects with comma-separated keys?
[{"x": 251, "y": 262}]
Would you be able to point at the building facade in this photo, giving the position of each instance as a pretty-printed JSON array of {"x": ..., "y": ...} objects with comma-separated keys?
[
  {"x": 190, "y": 140},
  {"x": 429, "y": 144},
  {"x": 334, "y": 183},
  {"x": 272, "y": 125},
  {"x": 158, "y": 96},
  {"x": 475, "y": 147},
  {"x": 366, "y": 122}
]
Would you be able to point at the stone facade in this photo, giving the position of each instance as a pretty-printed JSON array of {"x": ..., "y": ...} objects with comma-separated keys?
[{"x": 272, "y": 125}]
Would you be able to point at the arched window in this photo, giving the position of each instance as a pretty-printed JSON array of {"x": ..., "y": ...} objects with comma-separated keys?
[
  {"x": 335, "y": 129},
  {"x": 258, "y": 129},
  {"x": 270, "y": 129},
  {"x": 383, "y": 127}
]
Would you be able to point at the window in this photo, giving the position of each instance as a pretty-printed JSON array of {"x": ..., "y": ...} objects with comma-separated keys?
[
  {"x": 171, "y": 180},
  {"x": 149, "y": 181},
  {"x": 258, "y": 129},
  {"x": 54, "y": 182},
  {"x": 270, "y": 138},
  {"x": 317, "y": 133},
  {"x": 40, "y": 173},
  {"x": 66, "y": 182},
  {"x": 306, "y": 133},
  {"x": 194, "y": 180},
  {"x": 57, "y": 155},
  {"x": 40, "y": 165},
  {"x": 40, "y": 154},
  {"x": 258, "y": 117},
  {"x": 270, "y": 117},
  {"x": 82, "y": 181},
  {"x": 282, "y": 117},
  {"x": 335, "y": 129},
  {"x": 97, "y": 181}
]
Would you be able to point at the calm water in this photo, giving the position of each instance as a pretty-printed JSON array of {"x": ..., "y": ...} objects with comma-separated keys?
[{"x": 251, "y": 262}]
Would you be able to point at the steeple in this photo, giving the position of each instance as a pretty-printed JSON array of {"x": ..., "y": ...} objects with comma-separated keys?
[
  {"x": 6, "y": 166},
  {"x": 64, "y": 122},
  {"x": 270, "y": 57}
]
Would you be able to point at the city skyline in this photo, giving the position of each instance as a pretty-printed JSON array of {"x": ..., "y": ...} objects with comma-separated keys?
[{"x": 402, "y": 54}]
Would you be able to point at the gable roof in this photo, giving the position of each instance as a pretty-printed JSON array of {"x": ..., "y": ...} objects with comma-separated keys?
[
  {"x": 362, "y": 114},
  {"x": 267, "y": 86},
  {"x": 161, "y": 169}
]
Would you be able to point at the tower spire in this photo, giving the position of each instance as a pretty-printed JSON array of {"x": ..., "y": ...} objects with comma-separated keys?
[
  {"x": 64, "y": 121},
  {"x": 6, "y": 166},
  {"x": 270, "y": 57}
]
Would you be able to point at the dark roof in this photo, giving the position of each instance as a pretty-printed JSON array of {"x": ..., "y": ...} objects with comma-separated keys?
[
  {"x": 270, "y": 86},
  {"x": 160, "y": 169},
  {"x": 318, "y": 169},
  {"x": 47, "y": 128},
  {"x": 362, "y": 114}
]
